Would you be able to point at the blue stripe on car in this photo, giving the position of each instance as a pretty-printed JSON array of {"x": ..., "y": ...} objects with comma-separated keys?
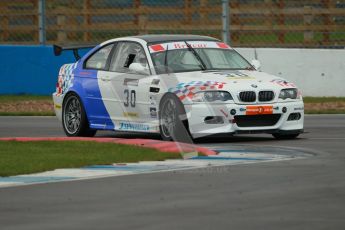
[{"x": 85, "y": 84}]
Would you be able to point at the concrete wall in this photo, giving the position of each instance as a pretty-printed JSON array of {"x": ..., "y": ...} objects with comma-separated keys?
[
  {"x": 30, "y": 69},
  {"x": 317, "y": 72}
]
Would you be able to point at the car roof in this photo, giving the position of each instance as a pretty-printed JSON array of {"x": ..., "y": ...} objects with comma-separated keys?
[{"x": 157, "y": 38}]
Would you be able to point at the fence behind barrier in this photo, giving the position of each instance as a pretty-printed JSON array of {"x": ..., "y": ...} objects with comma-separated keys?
[{"x": 253, "y": 23}]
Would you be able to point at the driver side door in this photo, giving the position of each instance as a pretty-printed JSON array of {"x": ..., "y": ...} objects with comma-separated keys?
[{"x": 125, "y": 93}]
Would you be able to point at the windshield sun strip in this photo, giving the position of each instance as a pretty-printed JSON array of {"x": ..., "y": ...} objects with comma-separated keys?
[{"x": 202, "y": 66}]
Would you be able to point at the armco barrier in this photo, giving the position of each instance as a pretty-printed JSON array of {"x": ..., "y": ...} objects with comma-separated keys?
[
  {"x": 318, "y": 72},
  {"x": 30, "y": 69}
]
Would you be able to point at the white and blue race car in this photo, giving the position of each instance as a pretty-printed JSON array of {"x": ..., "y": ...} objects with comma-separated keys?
[{"x": 175, "y": 85}]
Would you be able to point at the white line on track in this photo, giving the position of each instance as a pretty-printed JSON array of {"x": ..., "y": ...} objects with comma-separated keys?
[
  {"x": 326, "y": 138},
  {"x": 224, "y": 158},
  {"x": 229, "y": 155}
]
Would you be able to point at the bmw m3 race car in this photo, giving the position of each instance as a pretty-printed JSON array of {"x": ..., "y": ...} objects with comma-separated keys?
[{"x": 175, "y": 85}]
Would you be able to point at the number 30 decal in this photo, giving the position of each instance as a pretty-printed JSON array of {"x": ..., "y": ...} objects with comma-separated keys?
[{"x": 130, "y": 98}]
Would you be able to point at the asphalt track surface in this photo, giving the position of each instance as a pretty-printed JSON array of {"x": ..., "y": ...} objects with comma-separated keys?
[{"x": 297, "y": 194}]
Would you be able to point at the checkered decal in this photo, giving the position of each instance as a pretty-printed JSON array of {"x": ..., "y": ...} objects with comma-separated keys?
[
  {"x": 65, "y": 79},
  {"x": 283, "y": 83},
  {"x": 187, "y": 90}
]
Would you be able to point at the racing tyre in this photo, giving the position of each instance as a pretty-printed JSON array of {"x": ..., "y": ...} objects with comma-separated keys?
[
  {"x": 173, "y": 123},
  {"x": 285, "y": 136},
  {"x": 74, "y": 120}
]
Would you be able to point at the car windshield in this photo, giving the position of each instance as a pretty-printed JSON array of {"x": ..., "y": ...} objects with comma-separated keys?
[{"x": 194, "y": 56}]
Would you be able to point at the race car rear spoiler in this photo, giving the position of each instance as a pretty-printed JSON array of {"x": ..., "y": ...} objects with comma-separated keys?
[{"x": 58, "y": 50}]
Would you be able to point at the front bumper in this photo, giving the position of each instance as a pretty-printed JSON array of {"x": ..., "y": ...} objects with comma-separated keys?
[{"x": 200, "y": 114}]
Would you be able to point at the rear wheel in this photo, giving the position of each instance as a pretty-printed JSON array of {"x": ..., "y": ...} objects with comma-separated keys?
[
  {"x": 74, "y": 120},
  {"x": 173, "y": 124},
  {"x": 285, "y": 136}
]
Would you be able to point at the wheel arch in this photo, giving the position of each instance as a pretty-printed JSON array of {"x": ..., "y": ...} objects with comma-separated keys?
[
  {"x": 70, "y": 92},
  {"x": 84, "y": 129},
  {"x": 167, "y": 94}
]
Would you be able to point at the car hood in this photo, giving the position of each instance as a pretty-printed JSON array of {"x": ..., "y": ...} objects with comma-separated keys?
[
  {"x": 184, "y": 85},
  {"x": 234, "y": 80}
]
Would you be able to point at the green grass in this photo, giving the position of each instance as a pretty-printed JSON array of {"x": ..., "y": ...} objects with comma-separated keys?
[
  {"x": 18, "y": 98},
  {"x": 15, "y": 98},
  {"x": 8, "y": 99},
  {"x": 323, "y": 99},
  {"x": 24, "y": 97},
  {"x": 325, "y": 111},
  {"x": 47, "y": 113},
  {"x": 31, "y": 157}
]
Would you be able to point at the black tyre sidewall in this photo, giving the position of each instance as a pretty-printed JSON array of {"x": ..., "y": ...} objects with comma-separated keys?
[
  {"x": 181, "y": 126},
  {"x": 84, "y": 129}
]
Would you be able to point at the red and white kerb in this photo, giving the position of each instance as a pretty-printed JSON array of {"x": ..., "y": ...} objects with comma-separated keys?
[{"x": 182, "y": 45}]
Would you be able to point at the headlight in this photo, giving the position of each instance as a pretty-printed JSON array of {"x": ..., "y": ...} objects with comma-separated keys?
[
  {"x": 288, "y": 93},
  {"x": 211, "y": 96}
]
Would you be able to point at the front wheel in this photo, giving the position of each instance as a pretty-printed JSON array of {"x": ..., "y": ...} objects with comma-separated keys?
[
  {"x": 74, "y": 120},
  {"x": 173, "y": 124}
]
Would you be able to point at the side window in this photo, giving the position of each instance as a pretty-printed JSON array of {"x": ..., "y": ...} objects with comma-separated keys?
[
  {"x": 99, "y": 59},
  {"x": 127, "y": 54}
]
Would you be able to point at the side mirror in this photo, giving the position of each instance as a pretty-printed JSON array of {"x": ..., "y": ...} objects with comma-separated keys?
[
  {"x": 138, "y": 68},
  {"x": 257, "y": 65}
]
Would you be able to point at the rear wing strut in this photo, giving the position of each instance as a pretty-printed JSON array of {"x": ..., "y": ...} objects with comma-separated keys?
[{"x": 58, "y": 50}]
